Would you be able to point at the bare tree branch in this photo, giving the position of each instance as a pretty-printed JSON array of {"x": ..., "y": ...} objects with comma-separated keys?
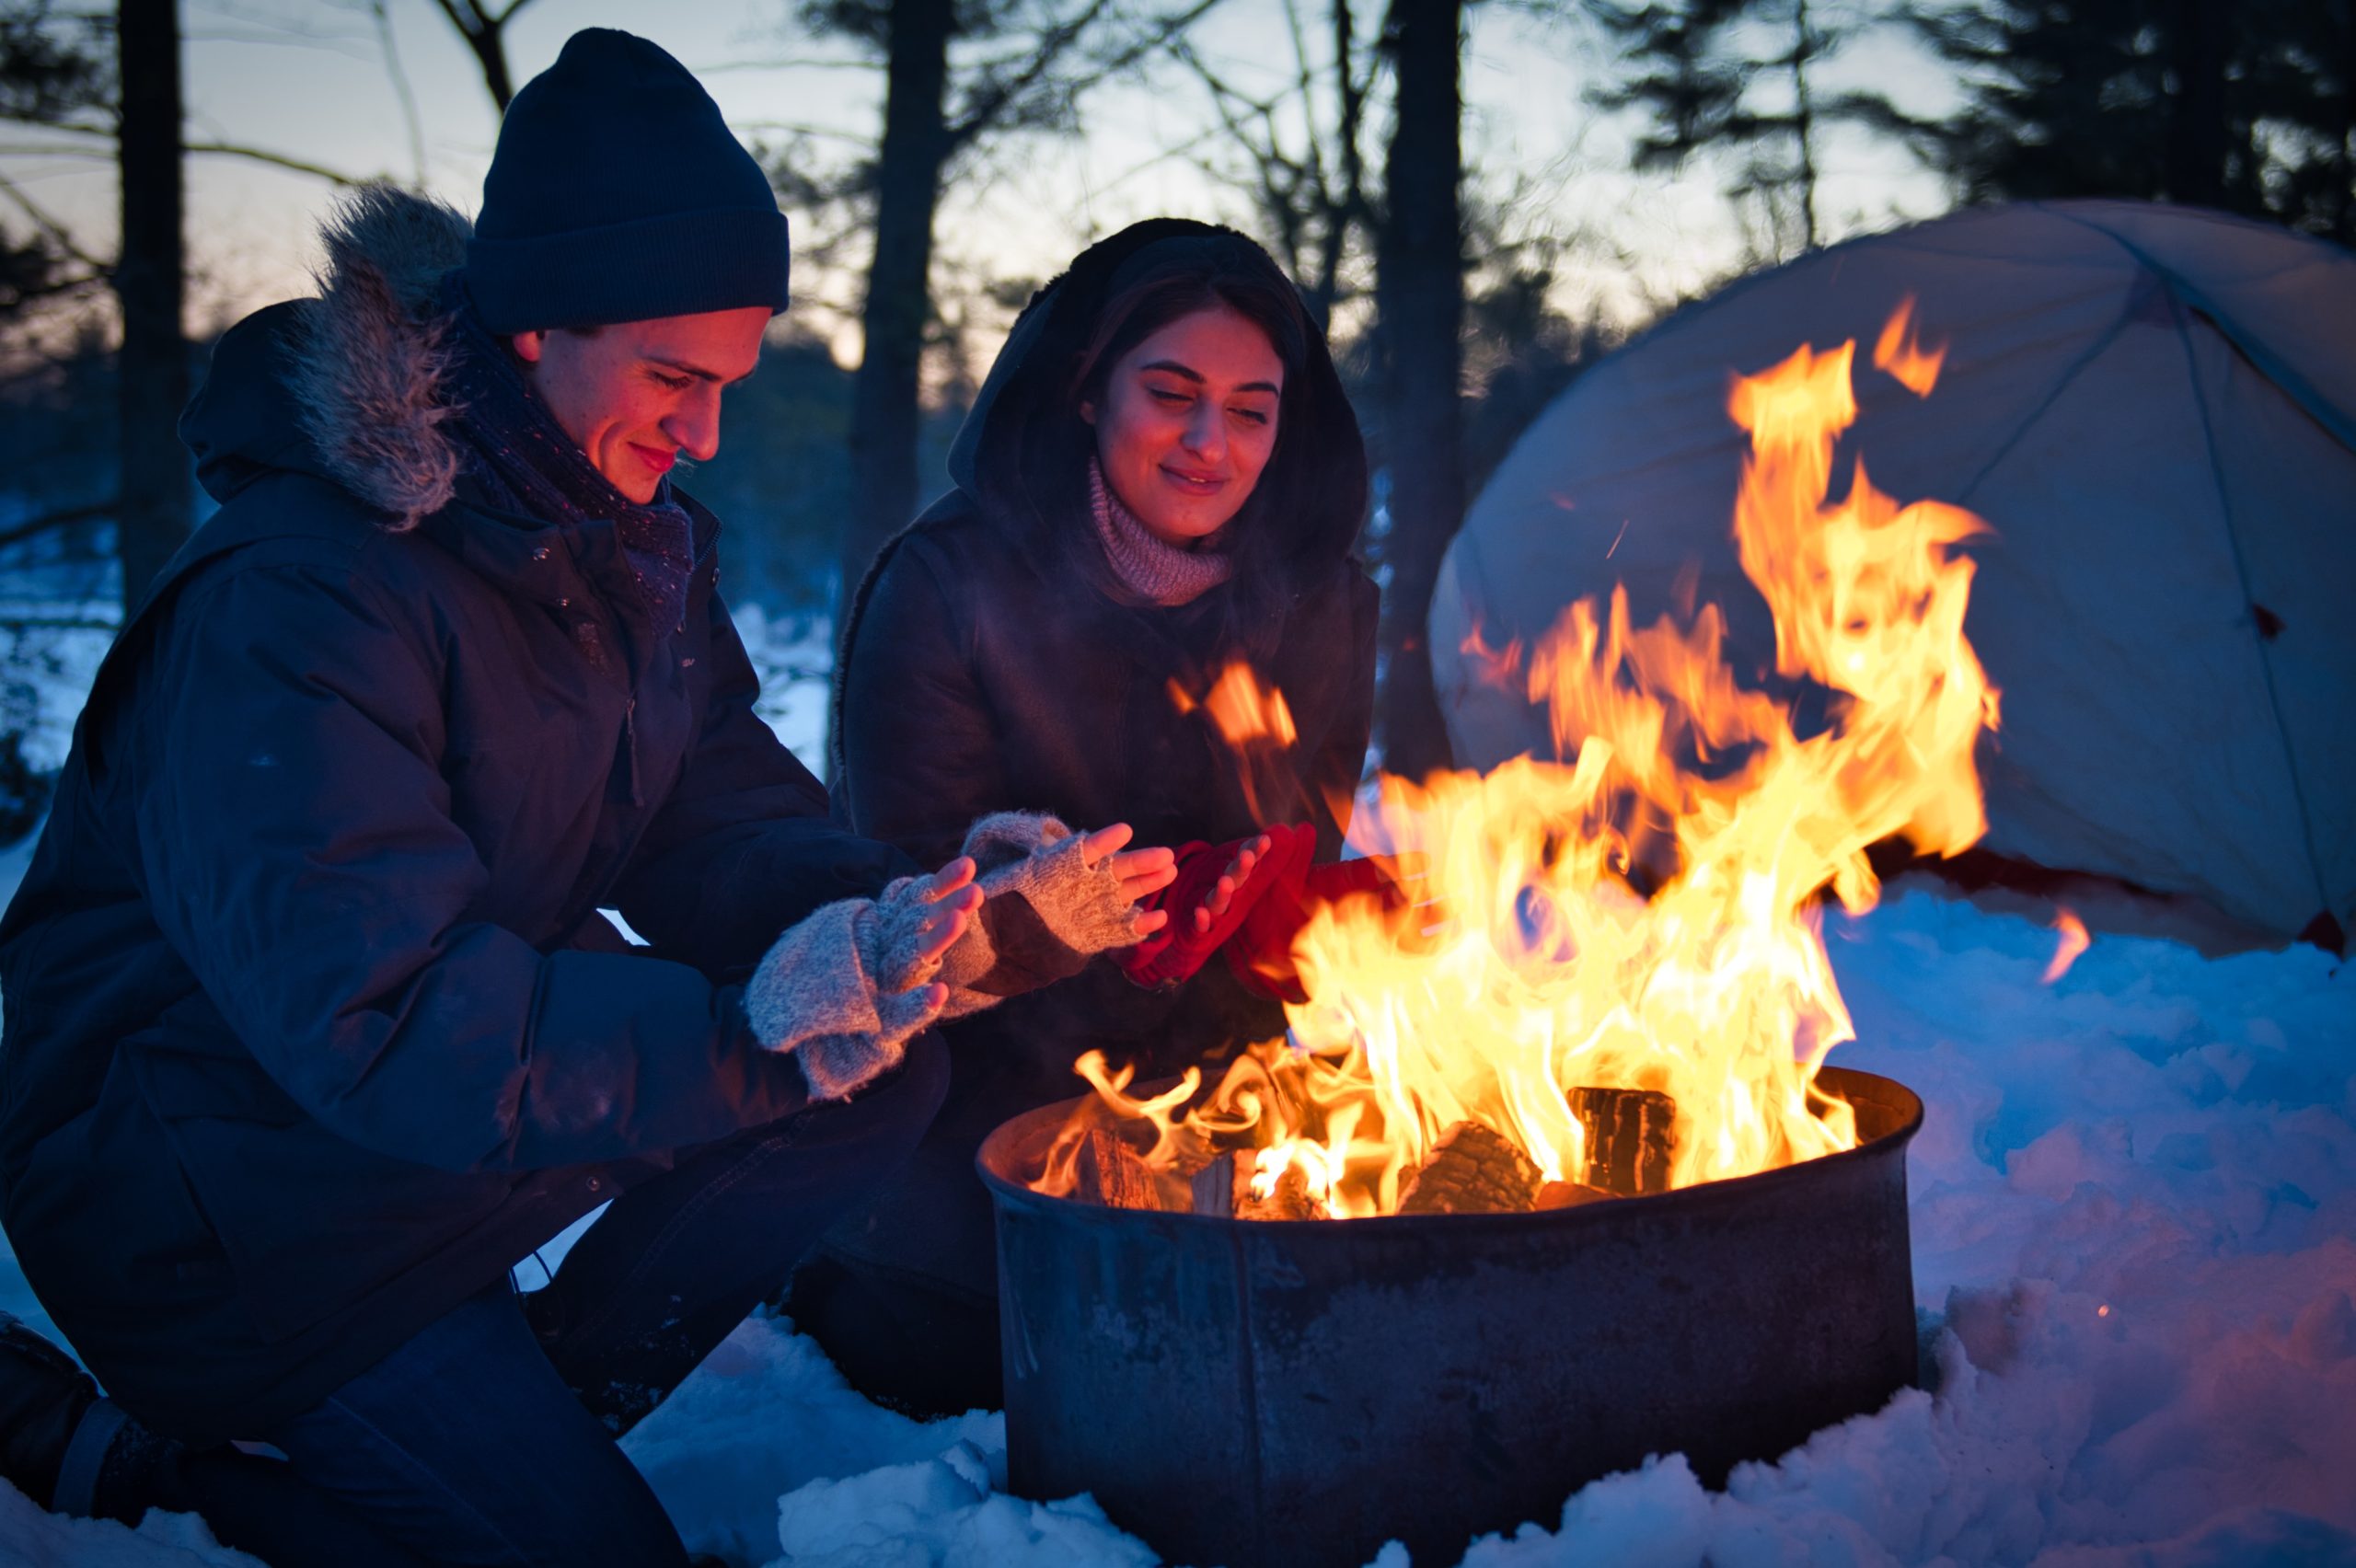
[
  {"x": 61, "y": 517},
  {"x": 484, "y": 30},
  {"x": 1312, "y": 199},
  {"x": 51, "y": 228},
  {"x": 1004, "y": 90},
  {"x": 1006, "y": 93},
  {"x": 276, "y": 160},
  {"x": 783, "y": 63},
  {"x": 398, "y": 74}
]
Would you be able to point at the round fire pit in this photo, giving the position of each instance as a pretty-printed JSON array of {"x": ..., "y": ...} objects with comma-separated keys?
[{"x": 1269, "y": 1392}]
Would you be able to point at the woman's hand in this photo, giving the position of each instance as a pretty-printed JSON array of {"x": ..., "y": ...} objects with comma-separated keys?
[
  {"x": 1238, "y": 870},
  {"x": 1141, "y": 873}
]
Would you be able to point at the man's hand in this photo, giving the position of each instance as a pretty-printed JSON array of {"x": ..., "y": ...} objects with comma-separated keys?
[
  {"x": 1142, "y": 873},
  {"x": 955, "y": 902}
]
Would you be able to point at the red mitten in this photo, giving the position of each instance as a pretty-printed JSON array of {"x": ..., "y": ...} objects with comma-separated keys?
[
  {"x": 1174, "y": 953},
  {"x": 1261, "y": 950},
  {"x": 1261, "y": 953}
]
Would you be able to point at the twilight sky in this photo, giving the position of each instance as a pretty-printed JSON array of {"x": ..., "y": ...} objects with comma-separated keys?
[{"x": 1018, "y": 212}]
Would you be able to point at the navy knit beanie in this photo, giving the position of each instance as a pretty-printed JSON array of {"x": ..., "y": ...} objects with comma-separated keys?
[{"x": 618, "y": 193}]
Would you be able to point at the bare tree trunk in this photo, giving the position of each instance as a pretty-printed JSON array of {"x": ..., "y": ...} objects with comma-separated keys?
[
  {"x": 1335, "y": 242},
  {"x": 1804, "y": 120},
  {"x": 2198, "y": 135},
  {"x": 1419, "y": 292},
  {"x": 2343, "y": 188},
  {"x": 151, "y": 371},
  {"x": 884, "y": 418}
]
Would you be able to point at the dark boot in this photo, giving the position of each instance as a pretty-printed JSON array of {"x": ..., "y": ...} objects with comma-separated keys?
[{"x": 43, "y": 1396}]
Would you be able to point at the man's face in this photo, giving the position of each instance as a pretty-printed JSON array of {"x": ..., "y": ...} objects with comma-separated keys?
[{"x": 636, "y": 395}]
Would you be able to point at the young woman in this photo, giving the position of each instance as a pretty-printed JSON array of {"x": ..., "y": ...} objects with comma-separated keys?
[{"x": 1159, "y": 481}]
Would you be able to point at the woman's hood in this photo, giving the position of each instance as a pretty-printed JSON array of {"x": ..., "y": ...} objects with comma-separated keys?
[{"x": 1034, "y": 366}]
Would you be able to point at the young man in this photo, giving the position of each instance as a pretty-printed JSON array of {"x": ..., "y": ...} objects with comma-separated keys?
[{"x": 313, "y": 1024}]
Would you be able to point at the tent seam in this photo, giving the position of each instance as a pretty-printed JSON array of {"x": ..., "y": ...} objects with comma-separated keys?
[
  {"x": 2293, "y": 385},
  {"x": 2241, "y": 573},
  {"x": 2062, "y": 384}
]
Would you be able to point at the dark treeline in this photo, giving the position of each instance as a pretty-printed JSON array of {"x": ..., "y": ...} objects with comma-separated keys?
[{"x": 1438, "y": 275}]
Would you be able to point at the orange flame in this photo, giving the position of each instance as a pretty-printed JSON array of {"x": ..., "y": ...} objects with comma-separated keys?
[
  {"x": 1242, "y": 707},
  {"x": 1490, "y": 666},
  {"x": 2075, "y": 941},
  {"x": 1897, "y": 353},
  {"x": 1638, "y": 913}
]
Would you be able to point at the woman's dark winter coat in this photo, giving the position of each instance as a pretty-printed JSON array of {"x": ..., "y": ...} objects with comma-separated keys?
[
  {"x": 313, "y": 1027},
  {"x": 980, "y": 673}
]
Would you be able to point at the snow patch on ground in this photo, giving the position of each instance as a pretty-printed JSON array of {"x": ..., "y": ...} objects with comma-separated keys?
[
  {"x": 767, "y": 1416},
  {"x": 32, "y": 1538}
]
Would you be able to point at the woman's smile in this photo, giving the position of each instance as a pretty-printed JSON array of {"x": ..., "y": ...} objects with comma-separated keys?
[{"x": 1192, "y": 483}]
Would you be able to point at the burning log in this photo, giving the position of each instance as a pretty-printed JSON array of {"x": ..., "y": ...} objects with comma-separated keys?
[
  {"x": 1472, "y": 1169},
  {"x": 1224, "y": 1188},
  {"x": 1631, "y": 1138},
  {"x": 1570, "y": 1195},
  {"x": 1110, "y": 1172},
  {"x": 1215, "y": 1188},
  {"x": 1291, "y": 1200}
]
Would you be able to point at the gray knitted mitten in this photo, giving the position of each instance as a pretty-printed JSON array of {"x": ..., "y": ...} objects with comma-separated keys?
[
  {"x": 1046, "y": 913},
  {"x": 842, "y": 991},
  {"x": 845, "y": 990}
]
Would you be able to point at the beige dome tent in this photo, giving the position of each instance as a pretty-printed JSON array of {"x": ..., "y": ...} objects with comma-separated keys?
[{"x": 2155, "y": 408}]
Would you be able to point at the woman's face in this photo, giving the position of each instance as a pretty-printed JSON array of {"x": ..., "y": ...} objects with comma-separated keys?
[{"x": 1187, "y": 422}]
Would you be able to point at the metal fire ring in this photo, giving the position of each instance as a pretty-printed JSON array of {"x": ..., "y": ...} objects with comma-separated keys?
[{"x": 1257, "y": 1393}]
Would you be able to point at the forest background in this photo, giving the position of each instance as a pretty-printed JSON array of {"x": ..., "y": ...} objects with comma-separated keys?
[{"x": 1479, "y": 196}]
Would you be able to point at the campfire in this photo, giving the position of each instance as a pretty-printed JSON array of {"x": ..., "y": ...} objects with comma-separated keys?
[{"x": 1610, "y": 977}]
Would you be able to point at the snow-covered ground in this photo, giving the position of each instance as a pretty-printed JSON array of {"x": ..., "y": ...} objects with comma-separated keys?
[
  {"x": 2134, "y": 1223},
  {"x": 2134, "y": 1216}
]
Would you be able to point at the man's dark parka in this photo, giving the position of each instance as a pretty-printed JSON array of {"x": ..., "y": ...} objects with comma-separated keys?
[
  {"x": 980, "y": 673},
  {"x": 313, "y": 1027}
]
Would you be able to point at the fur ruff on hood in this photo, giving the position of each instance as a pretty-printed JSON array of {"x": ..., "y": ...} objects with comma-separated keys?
[{"x": 373, "y": 351}]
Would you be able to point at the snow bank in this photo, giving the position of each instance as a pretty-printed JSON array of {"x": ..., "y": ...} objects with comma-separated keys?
[
  {"x": 946, "y": 1513},
  {"x": 766, "y": 1447},
  {"x": 32, "y": 1538},
  {"x": 767, "y": 1414},
  {"x": 2134, "y": 1219}
]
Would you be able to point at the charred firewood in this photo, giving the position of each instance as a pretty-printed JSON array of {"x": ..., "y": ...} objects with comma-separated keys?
[
  {"x": 1472, "y": 1169},
  {"x": 1215, "y": 1188},
  {"x": 1109, "y": 1171},
  {"x": 1224, "y": 1188},
  {"x": 1631, "y": 1138},
  {"x": 1570, "y": 1195},
  {"x": 1291, "y": 1200}
]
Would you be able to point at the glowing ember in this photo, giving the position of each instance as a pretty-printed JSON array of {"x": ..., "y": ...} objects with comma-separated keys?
[
  {"x": 1614, "y": 1042},
  {"x": 2074, "y": 941}
]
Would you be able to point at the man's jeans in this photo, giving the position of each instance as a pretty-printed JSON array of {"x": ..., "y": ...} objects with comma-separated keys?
[{"x": 489, "y": 1438}]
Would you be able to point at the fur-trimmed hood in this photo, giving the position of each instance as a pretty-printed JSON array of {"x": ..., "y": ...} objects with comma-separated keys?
[{"x": 351, "y": 385}]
